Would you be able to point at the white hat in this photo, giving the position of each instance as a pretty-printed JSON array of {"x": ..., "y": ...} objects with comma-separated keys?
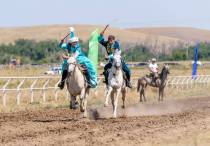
[
  {"x": 153, "y": 59},
  {"x": 74, "y": 39},
  {"x": 71, "y": 29}
]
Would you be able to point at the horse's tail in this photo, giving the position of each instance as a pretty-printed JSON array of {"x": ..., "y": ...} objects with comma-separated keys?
[{"x": 138, "y": 85}]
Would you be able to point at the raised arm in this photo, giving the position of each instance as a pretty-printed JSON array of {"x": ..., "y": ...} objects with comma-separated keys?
[
  {"x": 102, "y": 33},
  {"x": 62, "y": 44},
  {"x": 64, "y": 47},
  {"x": 101, "y": 37}
]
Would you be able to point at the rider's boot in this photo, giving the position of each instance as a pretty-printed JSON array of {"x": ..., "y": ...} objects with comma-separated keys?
[
  {"x": 87, "y": 79},
  {"x": 88, "y": 83},
  {"x": 62, "y": 83},
  {"x": 106, "y": 77},
  {"x": 128, "y": 82},
  {"x": 106, "y": 74}
]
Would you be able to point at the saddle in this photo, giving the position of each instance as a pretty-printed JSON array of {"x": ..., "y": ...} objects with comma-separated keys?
[
  {"x": 84, "y": 71},
  {"x": 153, "y": 77}
]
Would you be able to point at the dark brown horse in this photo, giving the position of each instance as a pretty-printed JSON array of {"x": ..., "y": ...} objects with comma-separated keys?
[{"x": 160, "y": 83}]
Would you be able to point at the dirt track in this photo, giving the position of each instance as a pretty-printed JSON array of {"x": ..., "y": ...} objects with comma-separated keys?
[{"x": 65, "y": 127}]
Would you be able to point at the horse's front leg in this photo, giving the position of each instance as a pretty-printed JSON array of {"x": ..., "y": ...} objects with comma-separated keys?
[
  {"x": 144, "y": 94},
  {"x": 115, "y": 101},
  {"x": 82, "y": 100},
  {"x": 107, "y": 95},
  {"x": 85, "y": 101},
  {"x": 141, "y": 94},
  {"x": 123, "y": 97},
  {"x": 72, "y": 102},
  {"x": 160, "y": 93}
]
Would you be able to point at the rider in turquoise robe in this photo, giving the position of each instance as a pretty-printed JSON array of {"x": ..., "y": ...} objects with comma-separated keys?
[{"x": 74, "y": 48}]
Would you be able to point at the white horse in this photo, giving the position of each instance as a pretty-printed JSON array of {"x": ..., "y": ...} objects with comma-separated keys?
[
  {"x": 77, "y": 85},
  {"x": 116, "y": 84}
]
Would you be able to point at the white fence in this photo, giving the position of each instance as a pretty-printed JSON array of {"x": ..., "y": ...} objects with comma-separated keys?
[
  {"x": 46, "y": 83},
  {"x": 185, "y": 82},
  {"x": 32, "y": 85}
]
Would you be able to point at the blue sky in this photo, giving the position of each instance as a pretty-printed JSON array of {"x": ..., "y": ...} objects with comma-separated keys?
[{"x": 127, "y": 13}]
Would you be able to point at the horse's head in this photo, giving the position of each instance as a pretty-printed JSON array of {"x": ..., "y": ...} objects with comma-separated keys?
[
  {"x": 165, "y": 70},
  {"x": 117, "y": 61},
  {"x": 72, "y": 64}
]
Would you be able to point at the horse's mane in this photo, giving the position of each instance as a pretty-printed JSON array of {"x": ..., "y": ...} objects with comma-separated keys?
[{"x": 161, "y": 74}]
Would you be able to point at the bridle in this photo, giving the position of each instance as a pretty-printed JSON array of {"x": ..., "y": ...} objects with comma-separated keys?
[
  {"x": 75, "y": 65},
  {"x": 114, "y": 64}
]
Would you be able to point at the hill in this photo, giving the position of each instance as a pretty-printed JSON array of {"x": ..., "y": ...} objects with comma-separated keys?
[
  {"x": 183, "y": 33},
  {"x": 38, "y": 33},
  {"x": 156, "y": 39}
]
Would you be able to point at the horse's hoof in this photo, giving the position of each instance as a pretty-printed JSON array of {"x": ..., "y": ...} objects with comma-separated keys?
[
  {"x": 114, "y": 116},
  {"x": 85, "y": 115},
  {"x": 82, "y": 110},
  {"x": 74, "y": 107},
  {"x": 106, "y": 104}
]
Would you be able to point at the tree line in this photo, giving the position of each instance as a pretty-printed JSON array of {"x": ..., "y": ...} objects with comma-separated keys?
[{"x": 30, "y": 52}]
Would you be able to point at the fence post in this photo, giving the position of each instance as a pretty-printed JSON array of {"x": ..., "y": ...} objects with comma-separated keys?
[
  {"x": 56, "y": 90},
  {"x": 168, "y": 83},
  {"x": 177, "y": 83},
  {"x": 182, "y": 82},
  {"x": 4, "y": 92},
  {"x": 204, "y": 81},
  {"x": 32, "y": 90},
  {"x": 18, "y": 91},
  {"x": 67, "y": 94},
  {"x": 44, "y": 90},
  {"x": 207, "y": 80},
  {"x": 173, "y": 82},
  {"x": 188, "y": 78}
]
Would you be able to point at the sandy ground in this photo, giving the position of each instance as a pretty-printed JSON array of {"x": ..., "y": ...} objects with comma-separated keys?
[{"x": 187, "y": 126}]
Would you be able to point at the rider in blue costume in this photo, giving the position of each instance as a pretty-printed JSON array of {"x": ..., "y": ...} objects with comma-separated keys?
[
  {"x": 111, "y": 47},
  {"x": 73, "y": 48}
]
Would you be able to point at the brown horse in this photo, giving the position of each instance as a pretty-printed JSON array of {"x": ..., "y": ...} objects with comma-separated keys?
[{"x": 160, "y": 83}]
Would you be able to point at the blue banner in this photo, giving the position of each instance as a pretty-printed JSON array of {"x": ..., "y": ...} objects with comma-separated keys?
[{"x": 194, "y": 71}]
